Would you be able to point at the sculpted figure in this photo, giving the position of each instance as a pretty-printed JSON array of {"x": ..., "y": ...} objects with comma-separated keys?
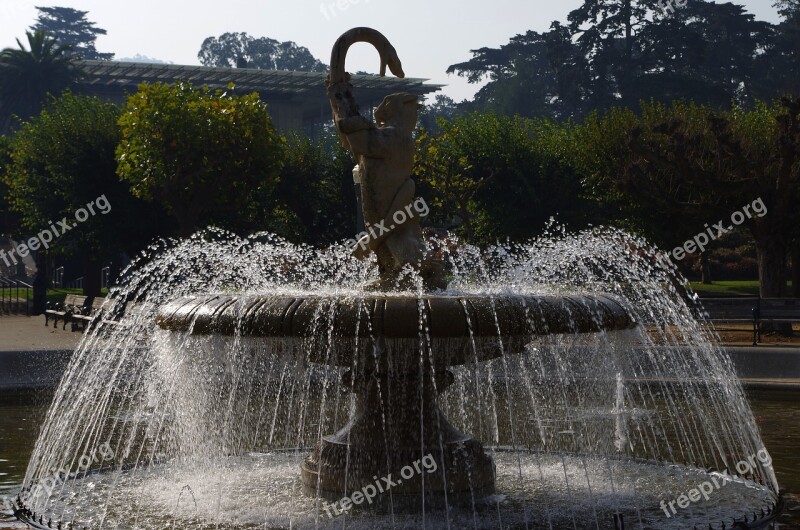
[{"x": 385, "y": 154}]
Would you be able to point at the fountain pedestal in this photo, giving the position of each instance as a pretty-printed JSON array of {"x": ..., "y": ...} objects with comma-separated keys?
[
  {"x": 399, "y": 440},
  {"x": 397, "y": 352}
]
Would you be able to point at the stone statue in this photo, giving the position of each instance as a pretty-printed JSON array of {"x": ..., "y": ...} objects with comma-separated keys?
[{"x": 385, "y": 154}]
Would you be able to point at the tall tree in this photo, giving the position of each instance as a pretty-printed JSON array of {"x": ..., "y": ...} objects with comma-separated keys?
[
  {"x": 534, "y": 74},
  {"x": 28, "y": 76},
  {"x": 8, "y": 222},
  {"x": 240, "y": 50},
  {"x": 64, "y": 159},
  {"x": 70, "y": 27},
  {"x": 618, "y": 52},
  {"x": 784, "y": 56},
  {"x": 199, "y": 153},
  {"x": 693, "y": 164}
]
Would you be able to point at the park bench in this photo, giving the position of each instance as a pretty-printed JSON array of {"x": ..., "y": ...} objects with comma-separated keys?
[
  {"x": 755, "y": 312},
  {"x": 73, "y": 303},
  {"x": 776, "y": 310},
  {"x": 83, "y": 319}
]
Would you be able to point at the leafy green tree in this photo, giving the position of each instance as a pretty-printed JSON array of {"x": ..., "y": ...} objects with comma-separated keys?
[
  {"x": 27, "y": 77},
  {"x": 316, "y": 186},
  {"x": 63, "y": 160},
  {"x": 71, "y": 28},
  {"x": 676, "y": 168},
  {"x": 198, "y": 153},
  {"x": 442, "y": 107},
  {"x": 240, "y": 50},
  {"x": 491, "y": 177}
]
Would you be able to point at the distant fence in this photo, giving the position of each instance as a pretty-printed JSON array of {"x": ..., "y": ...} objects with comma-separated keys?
[{"x": 15, "y": 297}]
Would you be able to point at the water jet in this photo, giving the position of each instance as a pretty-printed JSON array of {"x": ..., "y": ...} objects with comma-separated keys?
[{"x": 558, "y": 383}]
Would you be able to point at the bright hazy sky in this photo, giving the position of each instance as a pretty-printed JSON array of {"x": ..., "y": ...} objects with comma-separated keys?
[{"x": 429, "y": 35}]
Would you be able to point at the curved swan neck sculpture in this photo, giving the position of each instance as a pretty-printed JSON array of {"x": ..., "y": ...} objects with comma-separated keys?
[
  {"x": 387, "y": 53},
  {"x": 385, "y": 154}
]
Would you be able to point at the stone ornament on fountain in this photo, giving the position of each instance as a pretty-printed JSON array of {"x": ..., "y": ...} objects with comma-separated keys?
[{"x": 385, "y": 154}]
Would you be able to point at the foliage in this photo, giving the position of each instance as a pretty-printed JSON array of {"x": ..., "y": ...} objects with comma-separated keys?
[
  {"x": 442, "y": 107},
  {"x": 27, "y": 77},
  {"x": 71, "y": 28},
  {"x": 783, "y": 58},
  {"x": 491, "y": 177},
  {"x": 314, "y": 202},
  {"x": 690, "y": 165},
  {"x": 240, "y": 50},
  {"x": 617, "y": 52},
  {"x": 198, "y": 153},
  {"x": 64, "y": 159}
]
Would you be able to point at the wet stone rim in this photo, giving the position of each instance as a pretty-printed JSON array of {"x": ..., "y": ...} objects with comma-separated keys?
[{"x": 394, "y": 317}]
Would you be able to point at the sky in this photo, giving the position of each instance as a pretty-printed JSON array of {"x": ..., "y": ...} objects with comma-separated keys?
[{"x": 429, "y": 35}]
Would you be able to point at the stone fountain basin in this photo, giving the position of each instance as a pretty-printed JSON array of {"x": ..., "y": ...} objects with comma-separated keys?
[{"x": 454, "y": 329}]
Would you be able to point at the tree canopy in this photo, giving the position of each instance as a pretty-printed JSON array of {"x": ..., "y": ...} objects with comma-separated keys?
[
  {"x": 492, "y": 177},
  {"x": 27, "y": 77},
  {"x": 198, "y": 152},
  {"x": 674, "y": 170},
  {"x": 70, "y": 27},
  {"x": 240, "y": 50},
  {"x": 62, "y": 160},
  {"x": 618, "y": 52}
]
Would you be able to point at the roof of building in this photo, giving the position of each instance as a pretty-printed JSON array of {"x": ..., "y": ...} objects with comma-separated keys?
[{"x": 120, "y": 74}]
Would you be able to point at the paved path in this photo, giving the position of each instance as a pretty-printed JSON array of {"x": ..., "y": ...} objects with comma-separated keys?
[{"x": 30, "y": 334}]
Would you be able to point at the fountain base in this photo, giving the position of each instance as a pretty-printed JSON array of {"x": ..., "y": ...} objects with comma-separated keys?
[{"x": 401, "y": 444}]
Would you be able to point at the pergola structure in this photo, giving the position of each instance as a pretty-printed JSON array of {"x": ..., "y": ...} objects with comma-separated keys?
[{"x": 296, "y": 100}]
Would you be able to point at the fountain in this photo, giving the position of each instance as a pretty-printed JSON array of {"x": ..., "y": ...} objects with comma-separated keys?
[{"x": 250, "y": 383}]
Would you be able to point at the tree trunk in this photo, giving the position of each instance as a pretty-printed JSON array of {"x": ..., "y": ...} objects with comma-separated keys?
[
  {"x": 796, "y": 269},
  {"x": 705, "y": 268},
  {"x": 92, "y": 268},
  {"x": 772, "y": 266}
]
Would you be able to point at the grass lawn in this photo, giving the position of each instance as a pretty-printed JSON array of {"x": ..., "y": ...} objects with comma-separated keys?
[
  {"x": 723, "y": 289},
  {"x": 57, "y": 295}
]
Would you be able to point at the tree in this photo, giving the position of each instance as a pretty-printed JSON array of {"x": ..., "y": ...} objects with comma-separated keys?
[
  {"x": 783, "y": 58},
  {"x": 535, "y": 74},
  {"x": 240, "y": 50},
  {"x": 685, "y": 165},
  {"x": 27, "y": 77},
  {"x": 442, "y": 107},
  {"x": 71, "y": 28},
  {"x": 63, "y": 160},
  {"x": 316, "y": 186},
  {"x": 492, "y": 177},
  {"x": 199, "y": 153},
  {"x": 618, "y": 52}
]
